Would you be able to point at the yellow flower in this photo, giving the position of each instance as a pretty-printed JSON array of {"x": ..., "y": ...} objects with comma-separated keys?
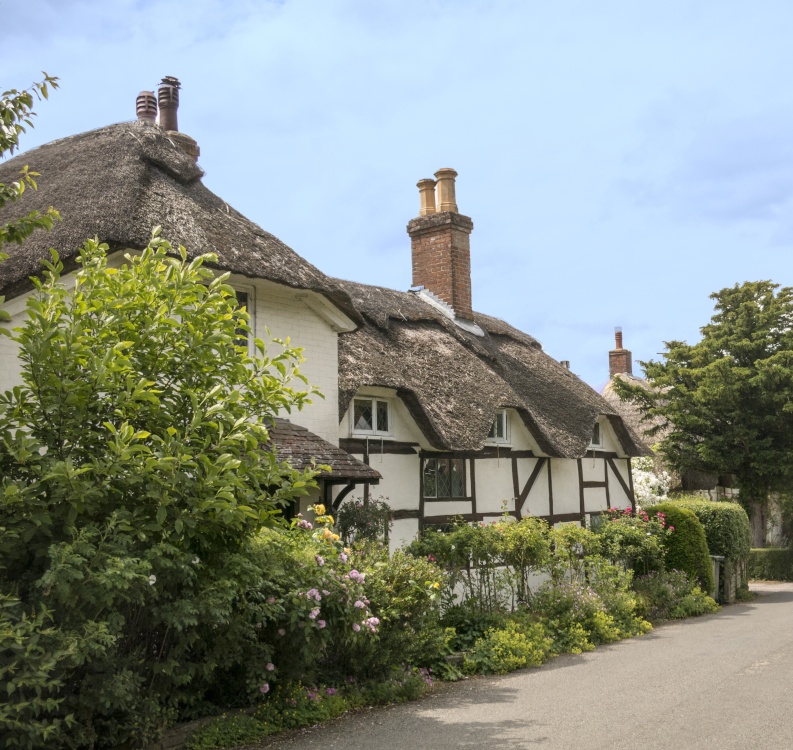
[
  {"x": 319, "y": 509},
  {"x": 327, "y": 533},
  {"x": 336, "y": 537},
  {"x": 436, "y": 585}
]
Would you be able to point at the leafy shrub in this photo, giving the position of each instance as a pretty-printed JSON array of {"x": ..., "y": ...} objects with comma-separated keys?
[
  {"x": 513, "y": 646},
  {"x": 571, "y": 546},
  {"x": 771, "y": 564},
  {"x": 727, "y": 528},
  {"x": 574, "y": 616},
  {"x": 470, "y": 623},
  {"x": 365, "y": 520},
  {"x": 133, "y": 481},
  {"x": 32, "y": 657},
  {"x": 291, "y": 705},
  {"x": 686, "y": 545},
  {"x": 634, "y": 540},
  {"x": 405, "y": 594},
  {"x": 613, "y": 585},
  {"x": 490, "y": 563},
  {"x": 671, "y": 594},
  {"x": 229, "y": 731}
]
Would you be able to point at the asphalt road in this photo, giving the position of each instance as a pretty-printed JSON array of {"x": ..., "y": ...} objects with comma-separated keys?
[{"x": 718, "y": 682}]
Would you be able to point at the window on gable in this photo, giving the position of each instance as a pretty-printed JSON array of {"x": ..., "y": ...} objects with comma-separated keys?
[
  {"x": 371, "y": 415},
  {"x": 244, "y": 300},
  {"x": 499, "y": 431},
  {"x": 596, "y": 438},
  {"x": 444, "y": 477}
]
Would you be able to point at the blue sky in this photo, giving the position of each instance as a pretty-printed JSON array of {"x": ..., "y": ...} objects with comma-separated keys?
[{"x": 621, "y": 160}]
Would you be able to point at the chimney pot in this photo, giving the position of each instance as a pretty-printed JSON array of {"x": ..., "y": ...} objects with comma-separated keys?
[
  {"x": 168, "y": 97},
  {"x": 446, "y": 198},
  {"x": 427, "y": 196},
  {"x": 146, "y": 106}
]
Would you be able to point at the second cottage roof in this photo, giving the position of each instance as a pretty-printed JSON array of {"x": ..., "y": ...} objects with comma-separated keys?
[{"x": 453, "y": 382}]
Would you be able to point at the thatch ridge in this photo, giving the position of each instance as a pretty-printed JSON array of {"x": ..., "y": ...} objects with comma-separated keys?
[
  {"x": 120, "y": 181},
  {"x": 453, "y": 381}
]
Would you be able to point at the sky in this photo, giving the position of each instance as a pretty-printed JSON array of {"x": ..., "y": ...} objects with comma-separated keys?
[{"x": 621, "y": 160}]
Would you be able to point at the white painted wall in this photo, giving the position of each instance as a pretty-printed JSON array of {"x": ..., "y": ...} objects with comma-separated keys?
[
  {"x": 285, "y": 313},
  {"x": 494, "y": 484},
  {"x": 566, "y": 497}
]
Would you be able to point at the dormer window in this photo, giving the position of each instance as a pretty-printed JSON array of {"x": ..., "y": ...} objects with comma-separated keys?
[
  {"x": 597, "y": 440},
  {"x": 371, "y": 416},
  {"x": 499, "y": 431}
]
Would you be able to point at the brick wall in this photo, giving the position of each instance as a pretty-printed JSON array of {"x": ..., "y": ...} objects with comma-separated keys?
[
  {"x": 620, "y": 361},
  {"x": 441, "y": 253}
]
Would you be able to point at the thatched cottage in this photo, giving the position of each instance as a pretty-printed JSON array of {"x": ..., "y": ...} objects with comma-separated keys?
[{"x": 454, "y": 413}]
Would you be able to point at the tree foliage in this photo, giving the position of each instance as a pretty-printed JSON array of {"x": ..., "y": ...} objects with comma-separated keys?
[
  {"x": 725, "y": 404},
  {"x": 134, "y": 477},
  {"x": 16, "y": 115}
]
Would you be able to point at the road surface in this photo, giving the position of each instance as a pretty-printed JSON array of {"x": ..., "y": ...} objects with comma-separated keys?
[{"x": 718, "y": 682}]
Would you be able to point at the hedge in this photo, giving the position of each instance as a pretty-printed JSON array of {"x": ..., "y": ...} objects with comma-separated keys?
[
  {"x": 686, "y": 547},
  {"x": 727, "y": 529},
  {"x": 771, "y": 564}
]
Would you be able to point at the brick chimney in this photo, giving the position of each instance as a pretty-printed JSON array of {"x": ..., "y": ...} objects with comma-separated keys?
[
  {"x": 620, "y": 360},
  {"x": 440, "y": 242}
]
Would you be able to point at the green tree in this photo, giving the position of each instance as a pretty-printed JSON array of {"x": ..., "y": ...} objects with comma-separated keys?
[
  {"x": 15, "y": 116},
  {"x": 134, "y": 478},
  {"x": 725, "y": 404}
]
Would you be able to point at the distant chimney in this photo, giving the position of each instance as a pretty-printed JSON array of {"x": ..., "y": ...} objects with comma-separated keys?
[
  {"x": 440, "y": 240},
  {"x": 168, "y": 98},
  {"x": 620, "y": 360},
  {"x": 565, "y": 363},
  {"x": 146, "y": 106}
]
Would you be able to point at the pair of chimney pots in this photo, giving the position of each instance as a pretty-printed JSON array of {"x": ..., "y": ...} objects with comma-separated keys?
[{"x": 442, "y": 189}]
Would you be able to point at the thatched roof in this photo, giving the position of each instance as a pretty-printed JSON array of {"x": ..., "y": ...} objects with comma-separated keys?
[
  {"x": 453, "y": 382},
  {"x": 629, "y": 412},
  {"x": 119, "y": 182},
  {"x": 303, "y": 449}
]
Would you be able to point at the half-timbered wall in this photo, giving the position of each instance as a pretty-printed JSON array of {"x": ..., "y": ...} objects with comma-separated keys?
[{"x": 512, "y": 476}]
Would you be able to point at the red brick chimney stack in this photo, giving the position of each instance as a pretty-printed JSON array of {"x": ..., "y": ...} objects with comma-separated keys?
[
  {"x": 620, "y": 360},
  {"x": 440, "y": 242}
]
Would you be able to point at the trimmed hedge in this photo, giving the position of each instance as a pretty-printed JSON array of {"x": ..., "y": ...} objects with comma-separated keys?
[
  {"x": 726, "y": 525},
  {"x": 687, "y": 546},
  {"x": 771, "y": 564}
]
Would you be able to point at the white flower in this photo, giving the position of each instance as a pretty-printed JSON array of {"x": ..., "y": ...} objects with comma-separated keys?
[
  {"x": 152, "y": 579},
  {"x": 196, "y": 560}
]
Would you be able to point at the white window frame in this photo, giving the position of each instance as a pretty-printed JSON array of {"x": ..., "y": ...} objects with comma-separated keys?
[
  {"x": 375, "y": 431},
  {"x": 506, "y": 438},
  {"x": 599, "y": 428}
]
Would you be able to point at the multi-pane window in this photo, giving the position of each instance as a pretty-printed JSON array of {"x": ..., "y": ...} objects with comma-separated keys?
[
  {"x": 444, "y": 477},
  {"x": 498, "y": 430},
  {"x": 370, "y": 415}
]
